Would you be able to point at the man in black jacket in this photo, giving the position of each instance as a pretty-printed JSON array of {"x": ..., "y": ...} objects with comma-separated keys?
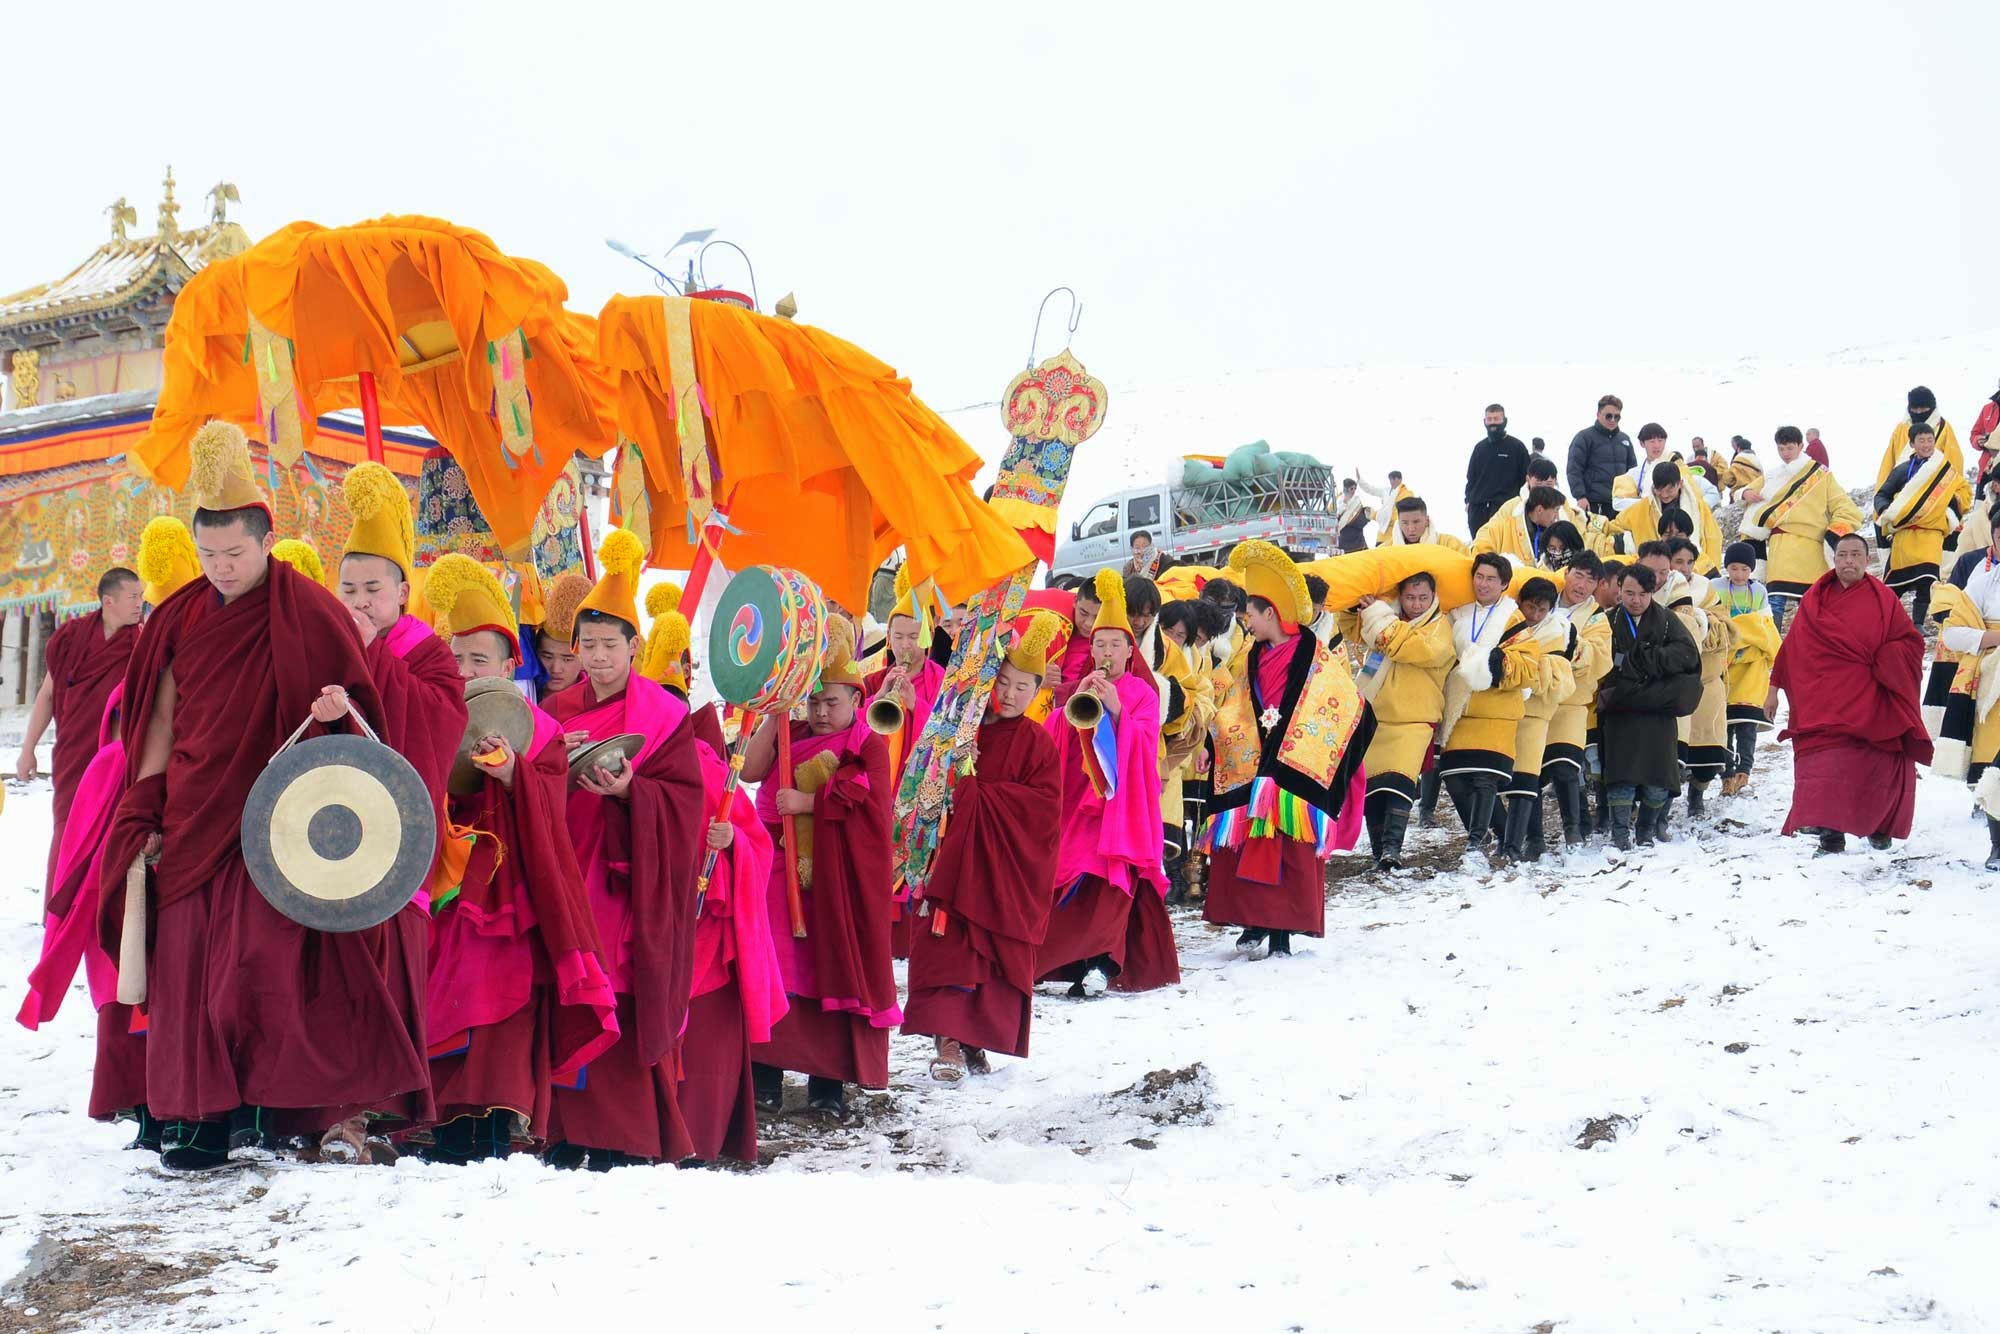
[
  {"x": 1494, "y": 475},
  {"x": 1598, "y": 454},
  {"x": 1655, "y": 679}
]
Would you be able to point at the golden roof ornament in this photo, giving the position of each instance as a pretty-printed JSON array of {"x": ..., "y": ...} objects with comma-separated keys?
[
  {"x": 170, "y": 232},
  {"x": 788, "y": 307},
  {"x": 123, "y": 217},
  {"x": 219, "y": 199}
]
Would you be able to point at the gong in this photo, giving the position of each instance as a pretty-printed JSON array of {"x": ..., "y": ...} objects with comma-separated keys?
[
  {"x": 339, "y": 833},
  {"x": 494, "y": 706},
  {"x": 612, "y": 753}
]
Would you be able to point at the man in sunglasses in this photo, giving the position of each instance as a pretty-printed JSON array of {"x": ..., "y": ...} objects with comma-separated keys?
[{"x": 1598, "y": 454}]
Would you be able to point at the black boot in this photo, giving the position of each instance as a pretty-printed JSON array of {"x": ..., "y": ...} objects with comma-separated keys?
[
  {"x": 564, "y": 1156},
  {"x": 1427, "y": 799},
  {"x": 1281, "y": 944},
  {"x": 1373, "y": 814},
  {"x": 1395, "y": 824},
  {"x": 1648, "y": 819},
  {"x": 826, "y": 1095},
  {"x": 451, "y": 1143},
  {"x": 1514, "y": 841},
  {"x": 1660, "y": 818},
  {"x": 1992, "y": 858},
  {"x": 1832, "y": 840},
  {"x": 1605, "y": 819},
  {"x": 1537, "y": 842},
  {"x": 767, "y": 1083},
  {"x": 1619, "y": 819},
  {"x": 250, "y": 1128},
  {"x": 148, "y": 1137},
  {"x": 1569, "y": 801},
  {"x": 194, "y": 1146},
  {"x": 1696, "y": 799},
  {"x": 1485, "y": 801}
]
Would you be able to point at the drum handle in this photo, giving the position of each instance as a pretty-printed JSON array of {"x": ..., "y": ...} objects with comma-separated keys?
[{"x": 300, "y": 730}]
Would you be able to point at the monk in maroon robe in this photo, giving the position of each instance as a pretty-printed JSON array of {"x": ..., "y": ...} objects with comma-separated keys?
[
  {"x": 972, "y": 964},
  {"x": 637, "y": 831},
  {"x": 423, "y": 702},
  {"x": 519, "y": 995},
  {"x": 253, "y": 1017},
  {"x": 86, "y": 659},
  {"x": 840, "y": 979},
  {"x": 1852, "y": 664}
]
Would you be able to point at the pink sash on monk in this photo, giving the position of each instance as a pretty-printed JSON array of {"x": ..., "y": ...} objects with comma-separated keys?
[
  {"x": 479, "y": 972},
  {"x": 406, "y": 634},
  {"x": 735, "y": 927},
  {"x": 1117, "y": 840},
  {"x": 73, "y": 937},
  {"x": 798, "y": 965},
  {"x": 655, "y": 713}
]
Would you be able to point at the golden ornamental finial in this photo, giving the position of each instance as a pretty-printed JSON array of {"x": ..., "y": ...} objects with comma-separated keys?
[
  {"x": 123, "y": 216},
  {"x": 219, "y": 199},
  {"x": 169, "y": 229}
]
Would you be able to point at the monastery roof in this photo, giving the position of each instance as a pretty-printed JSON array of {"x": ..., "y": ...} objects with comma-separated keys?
[{"x": 118, "y": 270}]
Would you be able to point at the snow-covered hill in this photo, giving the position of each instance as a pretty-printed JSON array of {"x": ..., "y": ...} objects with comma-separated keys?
[{"x": 1425, "y": 419}]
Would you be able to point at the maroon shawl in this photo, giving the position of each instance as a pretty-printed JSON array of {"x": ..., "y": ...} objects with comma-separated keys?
[
  {"x": 246, "y": 673},
  {"x": 83, "y": 669},
  {"x": 998, "y": 856},
  {"x": 423, "y": 704},
  {"x": 1852, "y": 667}
]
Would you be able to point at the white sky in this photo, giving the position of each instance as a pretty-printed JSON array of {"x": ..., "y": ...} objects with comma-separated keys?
[{"x": 1230, "y": 187}]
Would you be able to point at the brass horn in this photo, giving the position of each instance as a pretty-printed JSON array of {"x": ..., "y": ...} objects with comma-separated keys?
[
  {"x": 885, "y": 714},
  {"x": 1083, "y": 711}
]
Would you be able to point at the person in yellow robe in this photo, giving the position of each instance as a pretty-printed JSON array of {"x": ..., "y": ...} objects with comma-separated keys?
[
  {"x": 1496, "y": 659},
  {"x": 1922, "y": 405},
  {"x": 1554, "y": 677},
  {"x": 1187, "y": 704},
  {"x": 1916, "y": 506},
  {"x": 1565, "y": 759},
  {"x": 1704, "y": 735},
  {"x": 1508, "y": 528},
  {"x": 1795, "y": 512},
  {"x": 1392, "y": 496},
  {"x": 1406, "y": 655},
  {"x": 1518, "y": 530},
  {"x": 1744, "y": 601},
  {"x": 1640, "y": 522},
  {"x": 1413, "y": 527}
]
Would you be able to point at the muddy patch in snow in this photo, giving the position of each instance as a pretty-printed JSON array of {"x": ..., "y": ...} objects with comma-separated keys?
[{"x": 77, "y": 1278}]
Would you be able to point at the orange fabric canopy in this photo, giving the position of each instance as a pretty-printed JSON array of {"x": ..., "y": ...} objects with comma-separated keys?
[
  {"x": 827, "y": 461},
  {"x": 432, "y": 311}
]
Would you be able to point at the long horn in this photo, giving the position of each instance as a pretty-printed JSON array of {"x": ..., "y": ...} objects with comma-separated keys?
[
  {"x": 1084, "y": 711},
  {"x": 885, "y": 714}
]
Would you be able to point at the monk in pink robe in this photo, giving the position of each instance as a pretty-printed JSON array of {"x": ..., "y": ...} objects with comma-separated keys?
[
  {"x": 636, "y": 831},
  {"x": 1110, "y": 888}
]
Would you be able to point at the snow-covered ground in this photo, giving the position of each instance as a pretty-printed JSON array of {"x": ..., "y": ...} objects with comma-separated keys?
[{"x": 1797, "y": 1057}]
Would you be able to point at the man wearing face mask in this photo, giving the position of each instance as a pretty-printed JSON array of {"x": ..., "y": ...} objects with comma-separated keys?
[
  {"x": 1494, "y": 475},
  {"x": 1598, "y": 454}
]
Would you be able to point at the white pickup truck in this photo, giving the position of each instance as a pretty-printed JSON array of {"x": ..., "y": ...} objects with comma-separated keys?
[{"x": 1293, "y": 507}]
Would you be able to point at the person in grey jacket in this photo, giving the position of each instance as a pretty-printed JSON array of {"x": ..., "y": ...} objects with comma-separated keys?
[{"x": 1597, "y": 454}]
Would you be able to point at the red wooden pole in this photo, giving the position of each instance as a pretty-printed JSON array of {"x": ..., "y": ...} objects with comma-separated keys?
[
  {"x": 790, "y": 853},
  {"x": 371, "y": 417},
  {"x": 583, "y": 530}
]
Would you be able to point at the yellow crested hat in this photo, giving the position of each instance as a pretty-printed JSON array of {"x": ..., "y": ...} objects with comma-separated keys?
[
  {"x": 620, "y": 561},
  {"x": 1111, "y": 614},
  {"x": 667, "y": 640},
  {"x": 383, "y": 525},
  {"x": 840, "y": 667},
  {"x": 166, "y": 558},
  {"x": 466, "y": 597},
  {"x": 1037, "y": 644},
  {"x": 219, "y": 476},
  {"x": 559, "y": 608},
  {"x": 913, "y": 602},
  {"x": 301, "y": 556},
  {"x": 1268, "y": 573}
]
